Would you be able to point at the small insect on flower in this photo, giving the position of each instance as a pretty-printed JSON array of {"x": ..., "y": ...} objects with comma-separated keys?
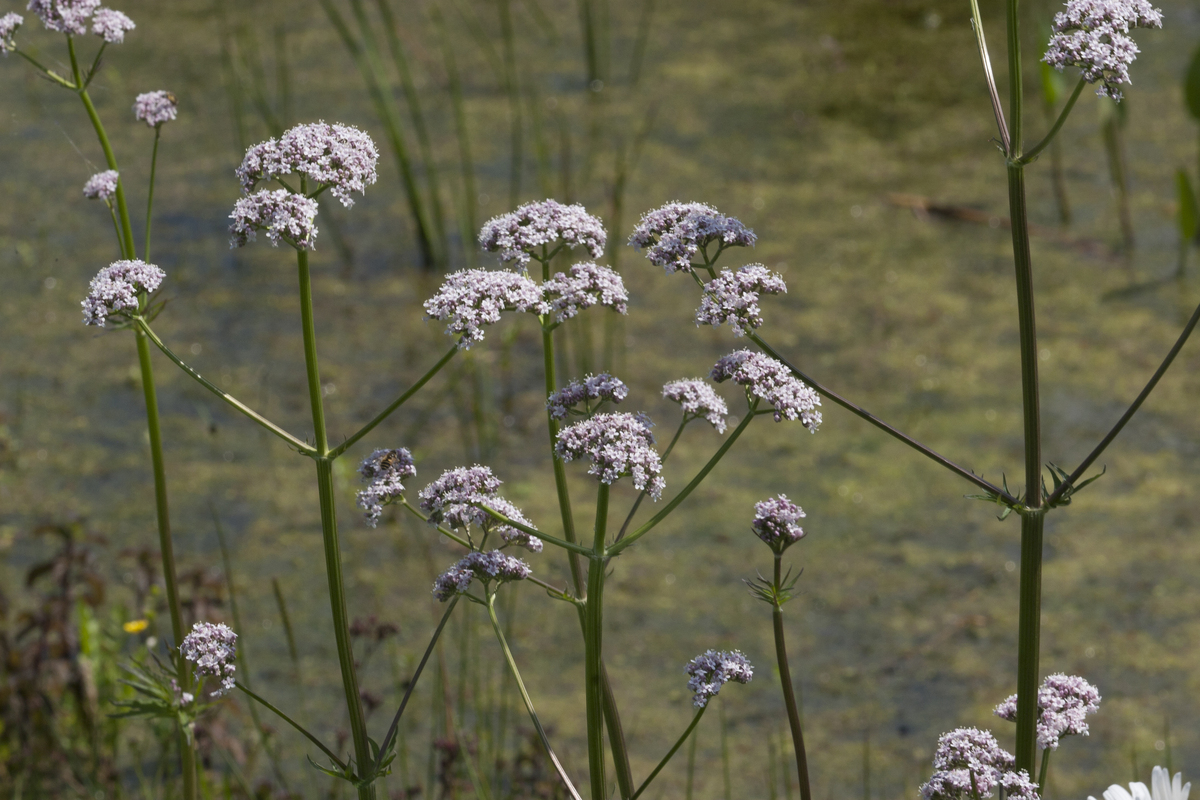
[
  {"x": 155, "y": 108},
  {"x": 383, "y": 471}
]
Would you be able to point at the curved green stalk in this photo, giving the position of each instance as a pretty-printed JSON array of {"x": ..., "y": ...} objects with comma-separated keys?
[
  {"x": 1062, "y": 118},
  {"x": 537, "y": 723},
  {"x": 687, "y": 490},
  {"x": 573, "y": 548},
  {"x": 789, "y": 692},
  {"x": 399, "y": 401},
  {"x": 593, "y": 632},
  {"x": 150, "y": 193},
  {"x": 671, "y": 753},
  {"x": 320, "y": 745},
  {"x": 642, "y": 495},
  {"x": 144, "y": 328}
]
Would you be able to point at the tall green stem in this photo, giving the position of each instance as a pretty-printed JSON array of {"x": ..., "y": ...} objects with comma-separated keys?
[
  {"x": 187, "y": 755},
  {"x": 593, "y": 650},
  {"x": 333, "y": 556},
  {"x": 789, "y": 693},
  {"x": 150, "y": 193}
]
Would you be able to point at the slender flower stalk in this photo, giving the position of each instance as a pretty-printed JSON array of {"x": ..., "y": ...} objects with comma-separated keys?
[
  {"x": 785, "y": 679},
  {"x": 670, "y": 753}
]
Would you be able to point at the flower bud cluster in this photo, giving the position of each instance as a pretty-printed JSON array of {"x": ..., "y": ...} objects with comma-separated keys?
[
  {"x": 518, "y": 234},
  {"x": 487, "y": 567},
  {"x": 587, "y": 285},
  {"x": 775, "y": 522},
  {"x": 600, "y": 388},
  {"x": 1064, "y": 703},
  {"x": 115, "y": 291},
  {"x": 733, "y": 297},
  {"x": 155, "y": 108},
  {"x": 102, "y": 185},
  {"x": 286, "y": 217},
  {"x": 383, "y": 471},
  {"x": 1094, "y": 36},
  {"x": 212, "y": 648},
  {"x": 617, "y": 444},
  {"x": 698, "y": 399},
  {"x": 472, "y": 298},
  {"x": 673, "y": 234},
  {"x": 771, "y": 381},
  {"x": 712, "y": 669}
]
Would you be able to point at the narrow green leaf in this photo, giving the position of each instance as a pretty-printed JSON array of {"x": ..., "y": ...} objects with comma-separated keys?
[
  {"x": 1191, "y": 85},
  {"x": 1189, "y": 213}
]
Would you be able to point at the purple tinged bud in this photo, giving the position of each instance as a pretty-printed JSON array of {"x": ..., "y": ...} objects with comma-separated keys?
[
  {"x": 1064, "y": 703},
  {"x": 8, "y": 29},
  {"x": 733, "y": 297},
  {"x": 616, "y": 444},
  {"x": 600, "y": 388},
  {"x": 115, "y": 291},
  {"x": 769, "y": 380},
  {"x": 1093, "y": 35},
  {"x": 698, "y": 399},
  {"x": 284, "y": 216},
  {"x": 340, "y": 157},
  {"x": 212, "y": 648},
  {"x": 775, "y": 522},
  {"x": 65, "y": 16},
  {"x": 383, "y": 471},
  {"x": 712, "y": 669},
  {"x": 470, "y": 299},
  {"x": 675, "y": 233},
  {"x": 155, "y": 108},
  {"x": 111, "y": 26},
  {"x": 531, "y": 227},
  {"x": 102, "y": 185},
  {"x": 587, "y": 285}
]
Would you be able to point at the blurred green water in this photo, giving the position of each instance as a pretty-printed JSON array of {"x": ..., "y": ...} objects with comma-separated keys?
[{"x": 799, "y": 119}]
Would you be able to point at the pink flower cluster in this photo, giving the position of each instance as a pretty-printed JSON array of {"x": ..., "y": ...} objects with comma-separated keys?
[
  {"x": 712, "y": 669},
  {"x": 470, "y": 299},
  {"x": 733, "y": 297},
  {"x": 772, "y": 382},
  {"x": 65, "y": 16},
  {"x": 1064, "y": 703},
  {"x": 673, "y": 234},
  {"x": 775, "y": 522},
  {"x": 384, "y": 472},
  {"x": 587, "y": 285},
  {"x": 487, "y": 567},
  {"x": 617, "y": 444},
  {"x": 340, "y": 157},
  {"x": 455, "y": 499},
  {"x": 1094, "y": 36},
  {"x": 8, "y": 29},
  {"x": 155, "y": 108},
  {"x": 969, "y": 763},
  {"x": 111, "y": 25},
  {"x": 601, "y": 388},
  {"x": 212, "y": 648},
  {"x": 102, "y": 185},
  {"x": 116, "y": 289},
  {"x": 697, "y": 399},
  {"x": 286, "y": 217},
  {"x": 517, "y": 235}
]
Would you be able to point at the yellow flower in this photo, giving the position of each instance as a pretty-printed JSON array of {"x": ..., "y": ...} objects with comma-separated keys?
[{"x": 136, "y": 626}]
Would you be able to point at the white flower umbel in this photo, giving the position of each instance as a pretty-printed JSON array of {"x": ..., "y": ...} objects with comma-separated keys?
[
  {"x": 1094, "y": 36},
  {"x": 472, "y": 298},
  {"x": 155, "y": 108},
  {"x": 533, "y": 226}
]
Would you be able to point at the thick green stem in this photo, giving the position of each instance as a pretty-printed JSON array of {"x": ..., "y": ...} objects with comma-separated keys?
[
  {"x": 593, "y": 631},
  {"x": 187, "y": 755},
  {"x": 1015, "y": 85},
  {"x": 333, "y": 556},
  {"x": 671, "y": 753},
  {"x": 616, "y": 736},
  {"x": 1029, "y": 625},
  {"x": 1045, "y": 766},
  {"x": 789, "y": 692},
  {"x": 537, "y": 723},
  {"x": 150, "y": 193}
]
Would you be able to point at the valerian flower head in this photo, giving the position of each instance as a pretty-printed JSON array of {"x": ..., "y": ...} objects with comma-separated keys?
[
  {"x": 674, "y": 233},
  {"x": 65, "y": 16},
  {"x": 769, "y": 380},
  {"x": 116, "y": 290},
  {"x": 472, "y": 298},
  {"x": 111, "y": 25},
  {"x": 733, "y": 297},
  {"x": 698, "y": 399},
  {"x": 340, "y": 157},
  {"x": 712, "y": 669},
  {"x": 384, "y": 472},
  {"x": 508, "y": 533},
  {"x": 616, "y": 444},
  {"x": 212, "y": 648},
  {"x": 1094, "y": 36},
  {"x": 454, "y": 499},
  {"x": 155, "y": 108},
  {"x": 487, "y": 567},
  {"x": 284, "y": 216},
  {"x": 102, "y": 185},
  {"x": 970, "y": 763},
  {"x": 8, "y": 29},
  {"x": 1064, "y": 703},
  {"x": 587, "y": 285},
  {"x": 599, "y": 388},
  {"x": 519, "y": 233},
  {"x": 775, "y": 522}
]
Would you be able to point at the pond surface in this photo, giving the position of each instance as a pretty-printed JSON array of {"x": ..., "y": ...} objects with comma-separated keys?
[{"x": 804, "y": 120}]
